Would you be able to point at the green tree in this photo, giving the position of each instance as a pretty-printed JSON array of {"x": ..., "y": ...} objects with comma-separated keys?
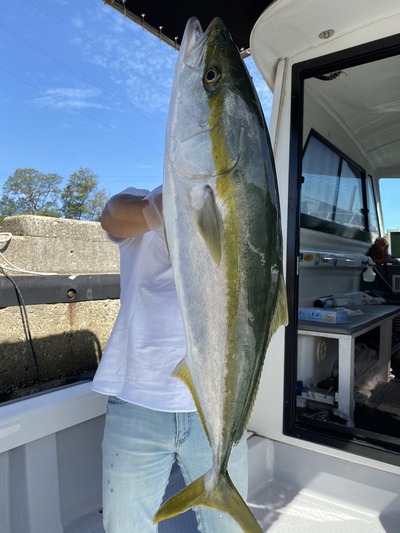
[
  {"x": 31, "y": 192},
  {"x": 80, "y": 198},
  {"x": 97, "y": 202}
]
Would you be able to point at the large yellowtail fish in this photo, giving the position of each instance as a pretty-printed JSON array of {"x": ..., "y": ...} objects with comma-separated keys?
[{"x": 221, "y": 211}]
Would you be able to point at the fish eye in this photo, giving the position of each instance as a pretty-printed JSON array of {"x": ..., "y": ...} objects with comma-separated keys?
[{"x": 211, "y": 76}]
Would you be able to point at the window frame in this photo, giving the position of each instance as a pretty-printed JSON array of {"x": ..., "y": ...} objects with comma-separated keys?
[{"x": 369, "y": 180}]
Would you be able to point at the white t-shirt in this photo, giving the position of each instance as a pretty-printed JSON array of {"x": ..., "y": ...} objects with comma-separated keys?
[{"x": 148, "y": 339}]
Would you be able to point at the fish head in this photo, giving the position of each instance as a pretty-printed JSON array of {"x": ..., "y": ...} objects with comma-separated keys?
[{"x": 212, "y": 104}]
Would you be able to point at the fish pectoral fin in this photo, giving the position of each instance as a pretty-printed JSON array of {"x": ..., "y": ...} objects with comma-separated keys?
[
  {"x": 222, "y": 496},
  {"x": 209, "y": 225},
  {"x": 182, "y": 371}
]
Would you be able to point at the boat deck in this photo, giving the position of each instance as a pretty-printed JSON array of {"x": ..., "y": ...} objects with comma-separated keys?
[
  {"x": 282, "y": 510},
  {"x": 328, "y": 500}
]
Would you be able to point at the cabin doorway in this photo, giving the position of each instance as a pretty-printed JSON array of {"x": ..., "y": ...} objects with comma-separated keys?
[{"x": 343, "y": 344}]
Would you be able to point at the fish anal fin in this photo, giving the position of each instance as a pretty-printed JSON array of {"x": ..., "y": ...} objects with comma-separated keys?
[
  {"x": 209, "y": 225},
  {"x": 182, "y": 371},
  {"x": 222, "y": 496}
]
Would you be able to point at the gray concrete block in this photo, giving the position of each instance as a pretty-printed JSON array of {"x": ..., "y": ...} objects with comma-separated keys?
[{"x": 57, "y": 245}]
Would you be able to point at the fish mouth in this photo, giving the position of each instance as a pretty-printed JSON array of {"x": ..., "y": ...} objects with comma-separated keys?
[{"x": 194, "y": 39}]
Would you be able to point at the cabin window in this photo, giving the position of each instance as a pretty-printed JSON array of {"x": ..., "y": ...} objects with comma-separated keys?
[
  {"x": 389, "y": 196},
  {"x": 332, "y": 186}
]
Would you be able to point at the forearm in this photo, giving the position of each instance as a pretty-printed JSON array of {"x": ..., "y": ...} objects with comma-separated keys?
[
  {"x": 123, "y": 216},
  {"x": 128, "y": 215}
]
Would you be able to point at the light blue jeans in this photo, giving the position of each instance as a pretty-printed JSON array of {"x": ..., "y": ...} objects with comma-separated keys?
[{"x": 139, "y": 448}]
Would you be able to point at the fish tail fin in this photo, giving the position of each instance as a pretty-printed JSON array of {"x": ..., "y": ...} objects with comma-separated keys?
[{"x": 222, "y": 496}]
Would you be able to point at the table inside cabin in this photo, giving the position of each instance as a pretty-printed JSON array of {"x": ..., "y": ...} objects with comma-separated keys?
[{"x": 374, "y": 316}]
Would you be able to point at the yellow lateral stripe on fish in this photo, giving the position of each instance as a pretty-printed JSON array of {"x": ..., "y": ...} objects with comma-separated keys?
[{"x": 226, "y": 194}]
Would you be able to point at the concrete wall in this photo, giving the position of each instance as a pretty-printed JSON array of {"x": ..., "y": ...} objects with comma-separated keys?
[
  {"x": 68, "y": 338},
  {"x": 63, "y": 246}
]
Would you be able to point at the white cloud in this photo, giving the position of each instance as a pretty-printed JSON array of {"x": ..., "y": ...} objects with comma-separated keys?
[
  {"x": 139, "y": 66},
  {"x": 72, "y": 97},
  {"x": 77, "y": 22}
]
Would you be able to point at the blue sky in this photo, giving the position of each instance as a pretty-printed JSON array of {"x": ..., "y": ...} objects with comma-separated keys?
[
  {"x": 82, "y": 86},
  {"x": 390, "y": 194}
]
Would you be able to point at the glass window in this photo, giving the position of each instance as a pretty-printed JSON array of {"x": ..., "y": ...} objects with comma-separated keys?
[
  {"x": 320, "y": 171},
  {"x": 349, "y": 204},
  {"x": 332, "y": 187},
  {"x": 390, "y": 193}
]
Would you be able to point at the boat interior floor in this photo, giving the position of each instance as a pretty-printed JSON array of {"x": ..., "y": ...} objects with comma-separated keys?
[
  {"x": 280, "y": 509},
  {"x": 282, "y": 504}
]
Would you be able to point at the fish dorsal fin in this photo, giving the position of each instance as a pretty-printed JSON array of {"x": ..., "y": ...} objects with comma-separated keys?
[
  {"x": 209, "y": 225},
  {"x": 182, "y": 372},
  {"x": 280, "y": 316}
]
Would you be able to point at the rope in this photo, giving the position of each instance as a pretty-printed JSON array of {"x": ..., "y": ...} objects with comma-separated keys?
[
  {"x": 5, "y": 237},
  {"x": 25, "y": 322}
]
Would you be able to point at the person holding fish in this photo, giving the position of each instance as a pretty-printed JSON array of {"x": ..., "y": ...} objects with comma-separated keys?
[
  {"x": 151, "y": 418},
  {"x": 202, "y": 308}
]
